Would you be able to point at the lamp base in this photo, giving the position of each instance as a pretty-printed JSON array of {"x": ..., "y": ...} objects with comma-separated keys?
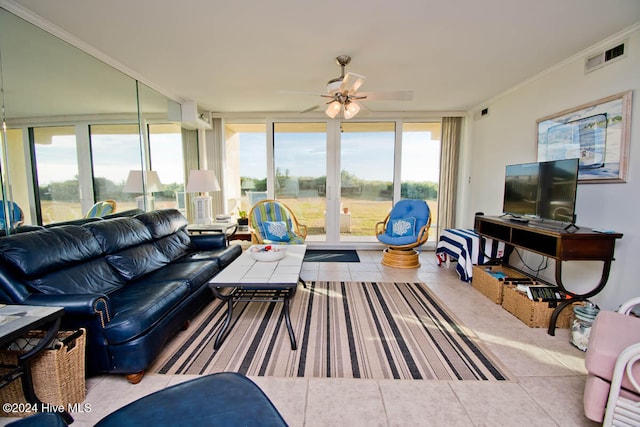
[
  {"x": 148, "y": 203},
  {"x": 203, "y": 210}
]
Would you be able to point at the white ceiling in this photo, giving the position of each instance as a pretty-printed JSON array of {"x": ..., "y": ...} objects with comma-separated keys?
[{"x": 238, "y": 56}]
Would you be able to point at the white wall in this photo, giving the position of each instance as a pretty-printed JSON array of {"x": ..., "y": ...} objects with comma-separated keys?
[{"x": 507, "y": 135}]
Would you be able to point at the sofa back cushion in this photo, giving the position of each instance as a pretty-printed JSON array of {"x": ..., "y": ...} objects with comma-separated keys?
[
  {"x": 56, "y": 248},
  {"x": 91, "y": 277},
  {"x": 136, "y": 261},
  {"x": 116, "y": 234},
  {"x": 175, "y": 245},
  {"x": 163, "y": 222}
]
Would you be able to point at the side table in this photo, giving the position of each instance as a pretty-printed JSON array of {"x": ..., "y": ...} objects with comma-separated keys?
[
  {"x": 214, "y": 227},
  {"x": 15, "y": 322}
]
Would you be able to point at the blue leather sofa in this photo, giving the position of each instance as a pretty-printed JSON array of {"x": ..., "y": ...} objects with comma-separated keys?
[{"x": 132, "y": 282}]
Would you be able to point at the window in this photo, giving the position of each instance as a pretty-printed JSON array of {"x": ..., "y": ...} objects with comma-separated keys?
[
  {"x": 420, "y": 170},
  {"x": 165, "y": 147},
  {"x": 56, "y": 160},
  {"x": 300, "y": 159},
  {"x": 246, "y": 165},
  {"x": 115, "y": 150}
]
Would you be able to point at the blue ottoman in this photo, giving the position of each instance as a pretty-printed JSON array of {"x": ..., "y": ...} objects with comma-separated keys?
[
  {"x": 224, "y": 399},
  {"x": 41, "y": 419}
]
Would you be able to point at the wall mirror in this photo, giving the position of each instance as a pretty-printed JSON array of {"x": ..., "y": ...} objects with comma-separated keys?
[{"x": 74, "y": 126}]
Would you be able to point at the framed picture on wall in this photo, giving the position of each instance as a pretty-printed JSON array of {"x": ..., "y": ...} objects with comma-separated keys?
[{"x": 597, "y": 133}]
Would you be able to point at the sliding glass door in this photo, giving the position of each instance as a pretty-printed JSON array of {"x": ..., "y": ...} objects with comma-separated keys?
[
  {"x": 367, "y": 152},
  {"x": 339, "y": 178},
  {"x": 299, "y": 164}
]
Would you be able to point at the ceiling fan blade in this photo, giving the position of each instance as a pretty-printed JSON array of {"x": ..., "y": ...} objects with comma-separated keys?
[
  {"x": 296, "y": 92},
  {"x": 351, "y": 83},
  {"x": 315, "y": 107},
  {"x": 403, "y": 95}
]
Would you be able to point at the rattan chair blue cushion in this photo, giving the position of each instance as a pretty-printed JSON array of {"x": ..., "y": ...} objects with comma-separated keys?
[
  {"x": 273, "y": 222},
  {"x": 405, "y": 225}
]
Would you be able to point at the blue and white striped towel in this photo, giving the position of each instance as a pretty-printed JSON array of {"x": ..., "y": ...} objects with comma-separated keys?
[{"x": 464, "y": 245}]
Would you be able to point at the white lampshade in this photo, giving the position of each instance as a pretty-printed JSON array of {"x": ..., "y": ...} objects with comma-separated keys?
[
  {"x": 135, "y": 179},
  {"x": 333, "y": 109},
  {"x": 202, "y": 181},
  {"x": 351, "y": 109}
]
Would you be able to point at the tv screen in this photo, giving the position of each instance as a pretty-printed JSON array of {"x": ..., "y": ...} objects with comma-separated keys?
[
  {"x": 521, "y": 189},
  {"x": 557, "y": 187},
  {"x": 544, "y": 190}
]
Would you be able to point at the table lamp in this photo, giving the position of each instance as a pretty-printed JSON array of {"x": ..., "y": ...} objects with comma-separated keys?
[
  {"x": 134, "y": 184},
  {"x": 203, "y": 181}
]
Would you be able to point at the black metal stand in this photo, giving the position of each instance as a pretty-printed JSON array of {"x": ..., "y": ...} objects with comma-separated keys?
[{"x": 254, "y": 295}]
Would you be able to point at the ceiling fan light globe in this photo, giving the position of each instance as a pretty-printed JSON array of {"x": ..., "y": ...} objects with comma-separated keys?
[
  {"x": 351, "y": 109},
  {"x": 333, "y": 109}
]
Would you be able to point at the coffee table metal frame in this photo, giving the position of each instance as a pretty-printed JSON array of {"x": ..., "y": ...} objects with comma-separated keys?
[{"x": 248, "y": 280}]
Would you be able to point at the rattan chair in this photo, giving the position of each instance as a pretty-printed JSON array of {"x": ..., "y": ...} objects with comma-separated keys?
[
  {"x": 273, "y": 222},
  {"x": 405, "y": 228},
  {"x": 102, "y": 208}
]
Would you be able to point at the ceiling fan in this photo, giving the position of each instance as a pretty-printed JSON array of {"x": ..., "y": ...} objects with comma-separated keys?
[{"x": 343, "y": 96}]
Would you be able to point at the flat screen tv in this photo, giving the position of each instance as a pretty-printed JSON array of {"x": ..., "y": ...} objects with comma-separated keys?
[
  {"x": 521, "y": 190},
  {"x": 542, "y": 190}
]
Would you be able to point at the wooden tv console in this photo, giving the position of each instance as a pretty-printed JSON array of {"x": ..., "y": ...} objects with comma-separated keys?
[{"x": 573, "y": 244}]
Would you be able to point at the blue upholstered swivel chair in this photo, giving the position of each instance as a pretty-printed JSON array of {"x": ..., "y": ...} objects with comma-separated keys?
[
  {"x": 405, "y": 228},
  {"x": 16, "y": 216}
]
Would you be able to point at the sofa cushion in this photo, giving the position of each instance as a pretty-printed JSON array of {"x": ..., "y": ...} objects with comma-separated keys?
[
  {"x": 91, "y": 277},
  {"x": 196, "y": 272},
  {"x": 136, "y": 261},
  {"x": 224, "y": 256},
  {"x": 139, "y": 306},
  {"x": 71, "y": 244},
  {"x": 163, "y": 222},
  {"x": 119, "y": 233},
  {"x": 174, "y": 245}
]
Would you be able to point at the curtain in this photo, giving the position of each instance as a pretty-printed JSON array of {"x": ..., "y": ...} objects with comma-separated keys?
[
  {"x": 215, "y": 161},
  {"x": 190, "y": 152},
  {"x": 450, "y": 149}
]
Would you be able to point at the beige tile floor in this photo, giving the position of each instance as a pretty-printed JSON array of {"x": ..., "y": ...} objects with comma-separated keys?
[{"x": 547, "y": 390}]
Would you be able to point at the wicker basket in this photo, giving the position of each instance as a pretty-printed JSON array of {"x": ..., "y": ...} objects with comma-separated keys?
[
  {"x": 489, "y": 285},
  {"x": 535, "y": 314},
  {"x": 58, "y": 372}
]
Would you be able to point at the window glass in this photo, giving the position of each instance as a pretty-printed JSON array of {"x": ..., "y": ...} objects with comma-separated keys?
[
  {"x": 165, "y": 146},
  {"x": 420, "y": 173},
  {"x": 366, "y": 179},
  {"x": 246, "y": 165},
  {"x": 115, "y": 150},
  {"x": 56, "y": 160},
  {"x": 300, "y": 159}
]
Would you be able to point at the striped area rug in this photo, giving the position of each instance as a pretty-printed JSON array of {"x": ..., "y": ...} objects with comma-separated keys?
[{"x": 344, "y": 330}]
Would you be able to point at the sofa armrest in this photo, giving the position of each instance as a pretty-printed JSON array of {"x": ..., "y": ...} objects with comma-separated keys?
[
  {"x": 203, "y": 242},
  {"x": 78, "y": 304}
]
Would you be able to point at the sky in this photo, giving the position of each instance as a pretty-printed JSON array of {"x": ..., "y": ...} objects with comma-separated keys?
[
  {"x": 368, "y": 156},
  {"x": 115, "y": 156}
]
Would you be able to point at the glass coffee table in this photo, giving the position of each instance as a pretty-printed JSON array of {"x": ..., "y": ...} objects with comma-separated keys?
[{"x": 246, "y": 279}]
